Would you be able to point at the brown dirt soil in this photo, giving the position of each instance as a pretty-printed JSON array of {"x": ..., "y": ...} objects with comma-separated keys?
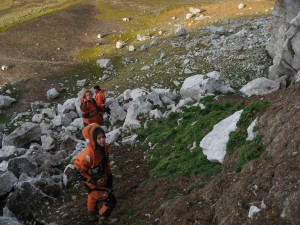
[
  {"x": 225, "y": 199},
  {"x": 39, "y": 49}
]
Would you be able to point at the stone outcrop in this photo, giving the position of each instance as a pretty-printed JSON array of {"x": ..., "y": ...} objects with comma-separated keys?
[{"x": 284, "y": 44}]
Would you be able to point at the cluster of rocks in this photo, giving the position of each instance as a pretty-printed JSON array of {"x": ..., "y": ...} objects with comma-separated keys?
[
  {"x": 46, "y": 138},
  {"x": 236, "y": 49},
  {"x": 32, "y": 157},
  {"x": 284, "y": 43}
]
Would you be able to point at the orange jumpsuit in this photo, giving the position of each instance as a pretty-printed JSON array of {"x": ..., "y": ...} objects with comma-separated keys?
[
  {"x": 90, "y": 112},
  {"x": 100, "y": 100},
  {"x": 95, "y": 165}
]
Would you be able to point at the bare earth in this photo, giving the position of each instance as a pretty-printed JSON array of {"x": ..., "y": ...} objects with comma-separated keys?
[
  {"x": 32, "y": 50},
  {"x": 39, "y": 49}
]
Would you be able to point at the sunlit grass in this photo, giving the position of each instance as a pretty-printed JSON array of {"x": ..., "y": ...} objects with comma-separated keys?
[
  {"x": 17, "y": 12},
  {"x": 158, "y": 18},
  {"x": 170, "y": 142}
]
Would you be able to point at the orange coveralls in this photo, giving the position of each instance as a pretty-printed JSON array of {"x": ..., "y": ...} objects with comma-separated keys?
[
  {"x": 100, "y": 100},
  {"x": 90, "y": 165},
  {"x": 90, "y": 112}
]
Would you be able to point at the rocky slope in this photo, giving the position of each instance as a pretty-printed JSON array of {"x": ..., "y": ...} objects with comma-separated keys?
[{"x": 266, "y": 191}]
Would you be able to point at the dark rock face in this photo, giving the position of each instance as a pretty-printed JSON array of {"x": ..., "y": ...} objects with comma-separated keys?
[
  {"x": 22, "y": 165},
  {"x": 25, "y": 200}
]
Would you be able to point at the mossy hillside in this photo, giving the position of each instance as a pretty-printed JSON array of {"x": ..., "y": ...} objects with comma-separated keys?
[
  {"x": 170, "y": 141},
  {"x": 248, "y": 150},
  {"x": 18, "y": 12},
  {"x": 130, "y": 76}
]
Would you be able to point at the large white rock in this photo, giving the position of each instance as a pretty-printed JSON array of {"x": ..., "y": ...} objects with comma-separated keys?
[
  {"x": 131, "y": 140},
  {"x": 81, "y": 83},
  {"x": 141, "y": 37},
  {"x": 23, "y": 135},
  {"x": 214, "y": 143},
  {"x": 131, "y": 48},
  {"x": 197, "y": 86},
  {"x": 9, "y": 221},
  {"x": 165, "y": 93},
  {"x": 120, "y": 44},
  {"x": 6, "y": 101},
  {"x": 260, "y": 86},
  {"x": 251, "y": 134},
  {"x": 61, "y": 121},
  {"x": 253, "y": 210},
  {"x": 130, "y": 121},
  {"x": 52, "y": 94},
  {"x": 103, "y": 63},
  {"x": 136, "y": 93},
  {"x": 155, "y": 114},
  {"x": 180, "y": 31},
  {"x": 8, "y": 180},
  {"x": 48, "y": 112},
  {"x": 241, "y": 6},
  {"x": 113, "y": 136},
  {"x": 195, "y": 10},
  {"x": 4, "y": 67}
]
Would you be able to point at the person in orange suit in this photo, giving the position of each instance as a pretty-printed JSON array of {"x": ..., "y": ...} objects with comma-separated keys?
[
  {"x": 99, "y": 97},
  {"x": 101, "y": 101},
  {"x": 89, "y": 109},
  {"x": 94, "y": 166}
]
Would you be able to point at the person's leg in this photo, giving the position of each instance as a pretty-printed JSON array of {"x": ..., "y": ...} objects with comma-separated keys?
[
  {"x": 106, "y": 210},
  {"x": 91, "y": 206}
]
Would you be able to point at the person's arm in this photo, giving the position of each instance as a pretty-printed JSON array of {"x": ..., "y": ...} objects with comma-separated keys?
[{"x": 83, "y": 168}]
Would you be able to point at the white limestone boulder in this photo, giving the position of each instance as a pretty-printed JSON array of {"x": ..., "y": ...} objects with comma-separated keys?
[
  {"x": 260, "y": 86},
  {"x": 103, "y": 63},
  {"x": 113, "y": 136},
  {"x": 52, "y": 94},
  {"x": 214, "y": 143},
  {"x": 199, "y": 85},
  {"x": 6, "y": 101}
]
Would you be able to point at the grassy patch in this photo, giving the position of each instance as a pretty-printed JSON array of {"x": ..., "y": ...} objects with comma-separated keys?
[
  {"x": 12, "y": 91},
  {"x": 4, "y": 119},
  {"x": 248, "y": 150},
  {"x": 71, "y": 191},
  {"x": 17, "y": 12},
  {"x": 197, "y": 185},
  {"x": 238, "y": 138},
  {"x": 147, "y": 18},
  {"x": 172, "y": 194},
  {"x": 129, "y": 213},
  {"x": 170, "y": 142}
]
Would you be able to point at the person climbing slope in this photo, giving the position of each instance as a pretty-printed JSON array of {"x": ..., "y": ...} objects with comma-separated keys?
[
  {"x": 94, "y": 166},
  {"x": 89, "y": 109},
  {"x": 101, "y": 101}
]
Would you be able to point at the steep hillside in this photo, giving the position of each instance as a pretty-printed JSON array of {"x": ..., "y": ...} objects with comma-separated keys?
[{"x": 164, "y": 177}]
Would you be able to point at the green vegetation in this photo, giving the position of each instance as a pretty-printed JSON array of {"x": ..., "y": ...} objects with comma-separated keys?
[
  {"x": 71, "y": 191},
  {"x": 130, "y": 212},
  {"x": 12, "y": 91},
  {"x": 172, "y": 194},
  {"x": 142, "y": 21},
  {"x": 170, "y": 140},
  {"x": 248, "y": 150},
  {"x": 17, "y": 12},
  {"x": 4, "y": 119}
]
